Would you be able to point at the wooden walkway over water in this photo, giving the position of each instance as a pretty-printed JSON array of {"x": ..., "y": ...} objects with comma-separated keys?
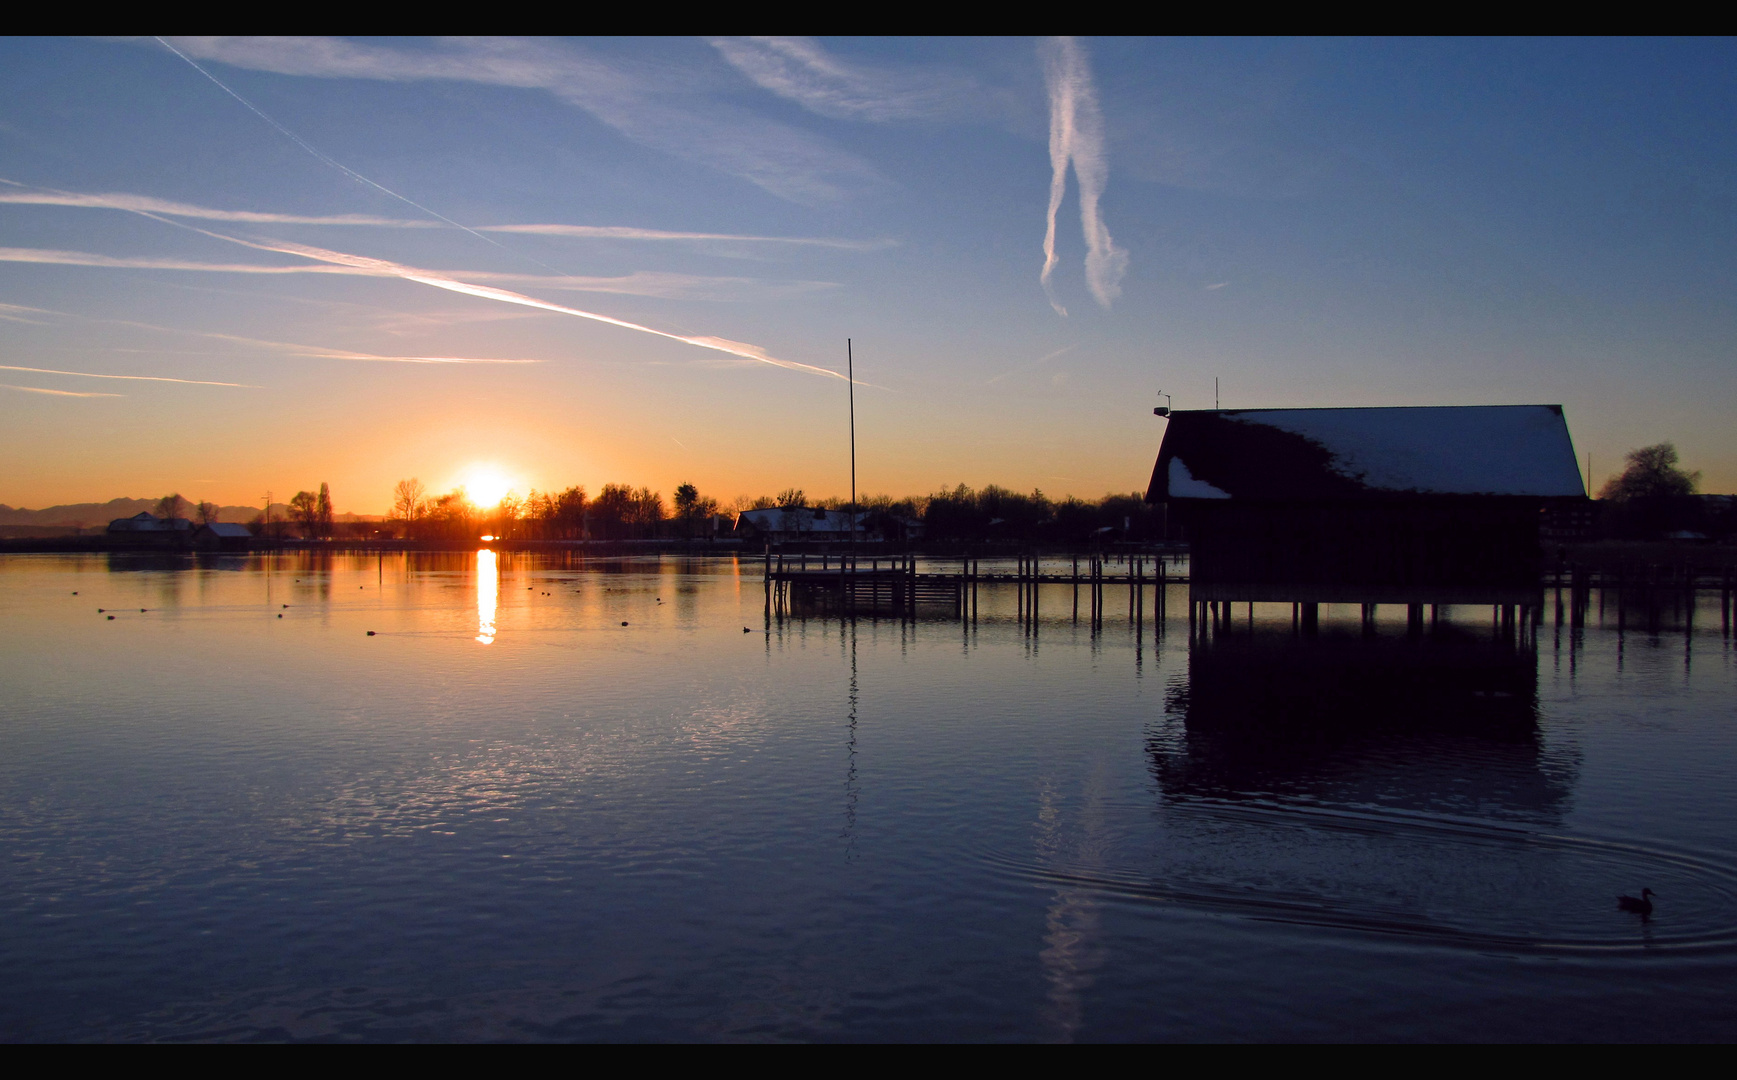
[{"x": 893, "y": 584}]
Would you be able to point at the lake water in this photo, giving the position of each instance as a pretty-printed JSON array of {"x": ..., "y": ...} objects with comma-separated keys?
[{"x": 549, "y": 800}]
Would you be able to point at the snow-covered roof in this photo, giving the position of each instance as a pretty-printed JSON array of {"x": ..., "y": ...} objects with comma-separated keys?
[
  {"x": 228, "y": 530},
  {"x": 1291, "y": 454}
]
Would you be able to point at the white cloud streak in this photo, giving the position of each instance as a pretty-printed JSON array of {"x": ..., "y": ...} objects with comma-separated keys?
[
  {"x": 1076, "y": 136},
  {"x": 642, "y": 283},
  {"x": 660, "y": 107},
  {"x": 130, "y": 378},
  {"x": 800, "y": 70},
  {"x": 627, "y": 232},
  {"x": 24, "y": 196},
  {"x": 381, "y": 267},
  {"x": 291, "y": 348},
  {"x": 341, "y": 262},
  {"x": 145, "y": 203},
  {"x": 53, "y": 393}
]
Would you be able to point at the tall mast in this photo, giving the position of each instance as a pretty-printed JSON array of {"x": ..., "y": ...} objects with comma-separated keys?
[{"x": 850, "y": 376}]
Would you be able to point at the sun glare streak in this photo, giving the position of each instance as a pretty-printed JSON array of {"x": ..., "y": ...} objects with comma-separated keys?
[{"x": 488, "y": 587}]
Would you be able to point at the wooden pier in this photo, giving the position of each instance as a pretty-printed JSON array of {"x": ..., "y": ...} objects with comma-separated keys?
[{"x": 893, "y": 584}]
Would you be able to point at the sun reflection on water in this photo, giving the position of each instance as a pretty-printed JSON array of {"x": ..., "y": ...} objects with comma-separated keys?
[{"x": 488, "y": 586}]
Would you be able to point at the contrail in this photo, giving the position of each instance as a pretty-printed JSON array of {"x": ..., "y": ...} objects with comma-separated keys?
[
  {"x": 289, "y": 347},
  {"x": 382, "y": 267},
  {"x": 626, "y": 232},
  {"x": 27, "y": 196},
  {"x": 56, "y": 393},
  {"x": 1076, "y": 135},
  {"x": 299, "y": 141},
  {"x": 131, "y": 378},
  {"x": 361, "y": 264},
  {"x": 84, "y": 258}
]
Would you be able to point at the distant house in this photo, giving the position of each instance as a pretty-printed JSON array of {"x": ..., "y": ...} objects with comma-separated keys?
[
  {"x": 222, "y": 536},
  {"x": 1430, "y": 505},
  {"x": 148, "y": 530},
  {"x": 797, "y": 524}
]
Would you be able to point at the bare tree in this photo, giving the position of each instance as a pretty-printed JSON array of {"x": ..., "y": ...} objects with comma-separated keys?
[
  {"x": 323, "y": 512},
  {"x": 407, "y": 500},
  {"x": 207, "y": 513},
  {"x": 789, "y": 498},
  {"x": 171, "y": 506}
]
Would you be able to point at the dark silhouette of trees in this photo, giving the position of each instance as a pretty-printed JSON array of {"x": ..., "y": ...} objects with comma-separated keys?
[
  {"x": 789, "y": 499},
  {"x": 451, "y": 517},
  {"x": 1652, "y": 473},
  {"x": 408, "y": 501},
  {"x": 313, "y": 512},
  {"x": 692, "y": 508},
  {"x": 611, "y": 512},
  {"x": 648, "y": 513},
  {"x": 206, "y": 512},
  {"x": 171, "y": 506}
]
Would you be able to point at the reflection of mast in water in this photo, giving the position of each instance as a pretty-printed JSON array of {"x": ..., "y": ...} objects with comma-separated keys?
[
  {"x": 850, "y": 784},
  {"x": 1072, "y": 939},
  {"x": 488, "y": 586}
]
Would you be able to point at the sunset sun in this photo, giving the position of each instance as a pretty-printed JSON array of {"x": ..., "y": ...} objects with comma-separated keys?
[{"x": 486, "y": 484}]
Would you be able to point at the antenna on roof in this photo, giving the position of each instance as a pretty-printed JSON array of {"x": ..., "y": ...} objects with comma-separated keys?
[{"x": 1164, "y": 409}]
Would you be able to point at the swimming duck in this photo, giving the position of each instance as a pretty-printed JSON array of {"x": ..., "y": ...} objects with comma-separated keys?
[{"x": 1642, "y": 906}]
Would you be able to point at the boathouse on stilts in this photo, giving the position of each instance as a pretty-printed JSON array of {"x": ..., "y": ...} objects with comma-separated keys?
[{"x": 1423, "y": 507}]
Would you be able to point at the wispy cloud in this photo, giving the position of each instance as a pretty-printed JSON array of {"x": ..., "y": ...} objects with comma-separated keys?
[
  {"x": 626, "y": 232},
  {"x": 1076, "y": 136},
  {"x": 52, "y": 393},
  {"x": 330, "y": 261},
  {"x": 1035, "y": 364},
  {"x": 287, "y": 347},
  {"x": 19, "y": 194},
  {"x": 661, "y": 106},
  {"x": 643, "y": 283},
  {"x": 53, "y": 257},
  {"x": 365, "y": 264},
  {"x": 21, "y": 314},
  {"x": 801, "y": 70},
  {"x": 129, "y": 378}
]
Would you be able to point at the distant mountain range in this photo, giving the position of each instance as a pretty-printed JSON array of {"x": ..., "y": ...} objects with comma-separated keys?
[{"x": 98, "y": 515}]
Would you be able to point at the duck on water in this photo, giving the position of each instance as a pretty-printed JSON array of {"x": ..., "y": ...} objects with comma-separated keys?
[{"x": 1642, "y": 906}]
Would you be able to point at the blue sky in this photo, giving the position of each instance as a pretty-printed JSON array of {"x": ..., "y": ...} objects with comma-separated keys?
[{"x": 1309, "y": 222}]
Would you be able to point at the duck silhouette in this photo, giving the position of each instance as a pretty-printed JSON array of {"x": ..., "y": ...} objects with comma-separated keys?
[{"x": 1643, "y": 906}]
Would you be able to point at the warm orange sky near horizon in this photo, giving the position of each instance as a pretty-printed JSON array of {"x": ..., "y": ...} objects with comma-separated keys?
[{"x": 233, "y": 266}]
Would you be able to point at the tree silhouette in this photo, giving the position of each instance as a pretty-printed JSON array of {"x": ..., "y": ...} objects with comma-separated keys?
[
  {"x": 171, "y": 506},
  {"x": 305, "y": 510},
  {"x": 407, "y": 500},
  {"x": 1652, "y": 472}
]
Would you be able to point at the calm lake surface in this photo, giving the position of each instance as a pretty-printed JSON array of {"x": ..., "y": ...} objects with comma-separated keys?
[{"x": 615, "y": 801}]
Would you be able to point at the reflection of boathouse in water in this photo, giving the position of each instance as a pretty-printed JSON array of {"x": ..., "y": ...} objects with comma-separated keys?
[
  {"x": 1415, "y": 506},
  {"x": 1446, "y": 723}
]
